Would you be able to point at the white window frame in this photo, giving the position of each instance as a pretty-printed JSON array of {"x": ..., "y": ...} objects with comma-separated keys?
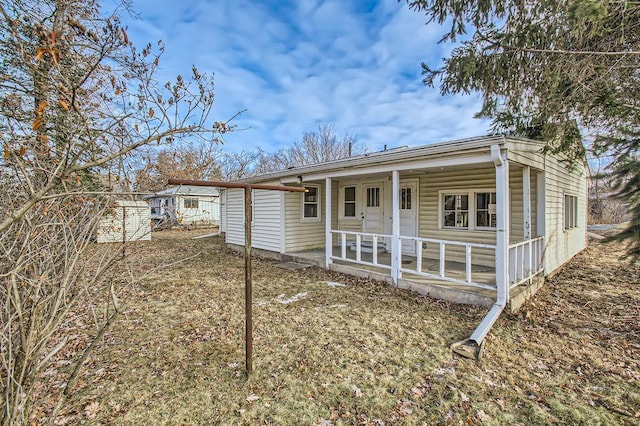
[
  {"x": 342, "y": 201},
  {"x": 570, "y": 211},
  {"x": 471, "y": 208},
  {"x": 191, "y": 201},
  {"x": 441, "y": 195},
  {"x": 475, "y": 212},
  {"x": 318, "y": 203}
]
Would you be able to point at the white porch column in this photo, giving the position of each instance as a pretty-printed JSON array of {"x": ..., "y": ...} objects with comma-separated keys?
[
  {"x": 328, "y": 243},
  {"x": 502, "y": 245},
  {"x": 395, "y": 227},
  {"x": 502, "y": 227},
  {"x": 526, "y": 201}
]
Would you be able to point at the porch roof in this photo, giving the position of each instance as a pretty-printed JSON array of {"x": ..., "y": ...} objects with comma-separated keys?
[{"x": 448, "y": 149}]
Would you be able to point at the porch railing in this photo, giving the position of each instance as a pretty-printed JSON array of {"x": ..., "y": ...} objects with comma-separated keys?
[
  {"x": 525, "y": 260},
  {"x": 355, "y": 241},
  {"x": 421, "y": 243}
]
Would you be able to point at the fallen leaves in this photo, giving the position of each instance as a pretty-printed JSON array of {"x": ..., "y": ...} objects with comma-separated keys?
[
  {"x": 92, "y": 410},
  {"x": 357, "y": 392},
  {"x": 252, "y": 397}
]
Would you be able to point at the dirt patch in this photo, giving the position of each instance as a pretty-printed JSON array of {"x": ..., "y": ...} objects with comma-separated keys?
[{"x": 356, "y": 353}]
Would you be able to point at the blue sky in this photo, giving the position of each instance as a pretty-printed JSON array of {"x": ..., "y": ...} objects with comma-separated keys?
[{"x": 297, "y": 64}]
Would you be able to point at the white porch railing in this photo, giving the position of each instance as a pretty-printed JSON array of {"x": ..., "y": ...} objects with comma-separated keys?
[
  {"x": 362, "y": 248},
  {"x": 353, "y": 241},
  {"x": 525, "y": 260},
  {"x": 442, "y": 248}
]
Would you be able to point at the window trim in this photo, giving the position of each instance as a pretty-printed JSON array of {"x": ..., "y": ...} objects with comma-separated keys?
[
  {"x": 342, "y": 201},
  {"x": 441, "y": 195},
  {"x": 471, "y": 208},
  {"x": 475, "y": 213},
  {"x": 191, "y": 200},
  {"x": 573, "y": 217},
  {"x": 318, "y": 203}
]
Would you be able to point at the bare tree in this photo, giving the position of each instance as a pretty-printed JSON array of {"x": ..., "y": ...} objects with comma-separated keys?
[
  {"x": 75, "y": 98},
  {"x": 314, "y": 147},
  {"x": 238, "y": 165},
  {"x": 197, "y": 161}
]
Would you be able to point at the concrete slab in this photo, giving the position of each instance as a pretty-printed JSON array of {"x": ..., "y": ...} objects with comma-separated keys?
[{"x": 293, "y": 265}]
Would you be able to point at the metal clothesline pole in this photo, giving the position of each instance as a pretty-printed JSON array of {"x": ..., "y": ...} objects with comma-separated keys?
[{"x": 248, "y": 284}]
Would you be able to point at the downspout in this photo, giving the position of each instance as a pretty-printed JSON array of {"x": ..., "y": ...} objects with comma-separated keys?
[{"x": 472, "y": 347}]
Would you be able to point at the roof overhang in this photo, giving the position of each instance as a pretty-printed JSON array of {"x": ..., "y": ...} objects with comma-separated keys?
[{"x": 471, "y": 151}]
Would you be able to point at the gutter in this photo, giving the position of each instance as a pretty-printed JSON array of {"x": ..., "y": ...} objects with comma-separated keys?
[{"x": 473, "y": 346}]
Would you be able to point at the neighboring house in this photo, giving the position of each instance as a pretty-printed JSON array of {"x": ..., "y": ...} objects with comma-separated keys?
[
  {"x": 186, "y": 205},
  {"x": 125, "y": 221},
  {"x": 474, "y": 221}
]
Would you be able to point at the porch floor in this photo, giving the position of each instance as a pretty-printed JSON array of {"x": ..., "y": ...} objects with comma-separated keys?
[{"x": 424, "y": 285}]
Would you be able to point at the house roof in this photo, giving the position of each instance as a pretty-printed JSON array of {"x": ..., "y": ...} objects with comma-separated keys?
[
  {"x": 396, "y": 155},
  {"x": 188, "y": 190}
]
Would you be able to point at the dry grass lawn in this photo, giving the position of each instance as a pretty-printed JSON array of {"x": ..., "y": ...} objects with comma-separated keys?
[{"x": 362, "y": 353}]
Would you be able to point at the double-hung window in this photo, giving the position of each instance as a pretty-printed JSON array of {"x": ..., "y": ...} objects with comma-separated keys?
[
  {"x": 456, "y": 211},
  {"x": 485, "y": 210},
  {"x": 473, "y": 210},
  {"x": 191, "y": 203},
  {"x": 570, "y": 211},
  {"x": 311, "y": 203},
  {"x": 349, "y": 201}
]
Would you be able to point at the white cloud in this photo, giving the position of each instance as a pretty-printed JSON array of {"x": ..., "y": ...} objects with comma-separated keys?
[{"x": 293, "y": 67}]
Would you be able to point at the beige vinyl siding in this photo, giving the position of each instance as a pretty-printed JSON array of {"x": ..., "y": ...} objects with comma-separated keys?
[
  {"x": 308, "y": 233},
  {"x": 560, "y": 180},
  {"x": 563, "y": 244},
  {"x": 431, "y": 185},
  {"x": 516, "y": 191}
]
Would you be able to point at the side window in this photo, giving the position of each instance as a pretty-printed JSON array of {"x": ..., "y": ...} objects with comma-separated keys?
[
  {"x": 570, "y": 211},
  {"x": 350, "y": 201},
  {"x": 455, "y": 211},
  {"x": 310, "y": 203},
  {"x": 486, "y": 209},
  {"x": 191, "y": 203}
]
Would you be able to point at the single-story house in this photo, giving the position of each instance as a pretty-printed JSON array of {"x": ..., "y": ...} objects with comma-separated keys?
[
  {"x": 186, "y": 205},
  {"x": 125, "y": 221},
  {"x": 478, "y": 220}
]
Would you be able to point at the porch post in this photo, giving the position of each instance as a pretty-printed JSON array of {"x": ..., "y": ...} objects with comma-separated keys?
[
  {"x": 395, "y": 227},
  {"x": 328, "y": 249},
  {"x": 502, "y": 227},
  {"x": 526, "y": 201}
]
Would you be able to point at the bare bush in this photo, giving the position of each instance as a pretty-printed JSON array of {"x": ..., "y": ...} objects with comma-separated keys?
[{"x": 75, "y": 98}]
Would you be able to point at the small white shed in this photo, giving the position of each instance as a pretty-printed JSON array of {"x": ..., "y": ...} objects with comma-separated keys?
[{"x": 127, "y": 221}]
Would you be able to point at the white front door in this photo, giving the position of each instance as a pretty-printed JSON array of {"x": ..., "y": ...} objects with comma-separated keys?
[
  {"x": 373, "y": 211},
  {"x": 408, "y": 214}
]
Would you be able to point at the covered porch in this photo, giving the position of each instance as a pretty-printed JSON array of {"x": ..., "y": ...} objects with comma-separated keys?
[
  {"x": 463, "y": 252},
  {"x": 444, "y": 277}
]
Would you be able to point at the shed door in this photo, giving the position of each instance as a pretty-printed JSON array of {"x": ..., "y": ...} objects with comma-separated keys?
[
  {"x": 408, "y": 214},
  {"x": 373, "y": 209}
]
